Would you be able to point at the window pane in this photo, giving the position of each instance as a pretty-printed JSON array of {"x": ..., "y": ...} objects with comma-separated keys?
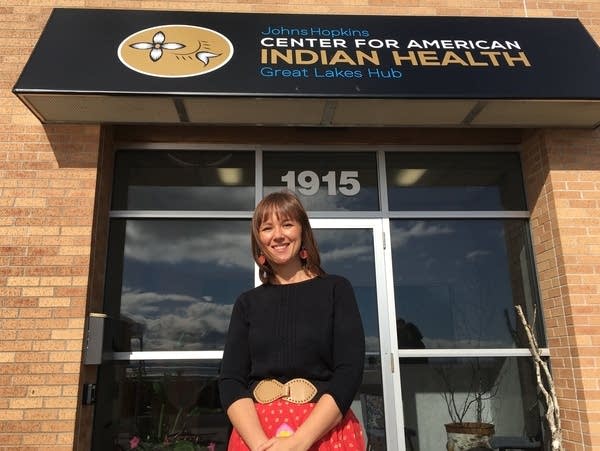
[
  {"x": 426, "y": 181},
  {"x": 505, "y": 386},
  {"x": 456, "y": 283},
  {"x": 184, "y": 180},
  {"x": 156, "y": 401},
  {"x": 171, "y": 284},
  {"x": 325, "y": 181}
]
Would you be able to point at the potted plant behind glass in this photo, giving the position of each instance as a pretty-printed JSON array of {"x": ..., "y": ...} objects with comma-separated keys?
[
  {"x": 170, "y": 405},
  {"x": 469, "y": 403}
]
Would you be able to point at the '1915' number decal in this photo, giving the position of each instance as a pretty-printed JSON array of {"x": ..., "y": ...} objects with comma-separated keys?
[{"x": 309, "y": 182}]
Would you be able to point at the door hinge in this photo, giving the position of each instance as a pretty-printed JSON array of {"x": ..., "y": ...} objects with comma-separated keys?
[
  {"x": 384, "y": 242},
  {"x": 89, "y": 394},
  {"x": 392, "y": 362}
]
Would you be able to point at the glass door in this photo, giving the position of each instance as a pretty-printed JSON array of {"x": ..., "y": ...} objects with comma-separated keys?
[{"x": 354, "y": 248}]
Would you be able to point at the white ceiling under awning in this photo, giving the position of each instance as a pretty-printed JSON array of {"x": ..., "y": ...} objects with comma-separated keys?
[{"x": 327, "y": 112}]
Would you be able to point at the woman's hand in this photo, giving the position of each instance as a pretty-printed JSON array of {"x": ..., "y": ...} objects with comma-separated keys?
[
  {"x": 323, "y": 417},
  {"x": 244, "y": 418},
  {"x": 282, "y": 444}
]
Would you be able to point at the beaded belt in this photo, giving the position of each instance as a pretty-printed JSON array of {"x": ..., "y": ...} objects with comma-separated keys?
[{"x": 297, "y": 391}]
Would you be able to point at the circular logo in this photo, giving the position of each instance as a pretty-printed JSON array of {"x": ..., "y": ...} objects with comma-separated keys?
[{"x": 174, "y": 51}]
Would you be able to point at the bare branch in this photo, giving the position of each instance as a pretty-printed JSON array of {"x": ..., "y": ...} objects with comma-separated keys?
[{"x": 541, "y": 368}]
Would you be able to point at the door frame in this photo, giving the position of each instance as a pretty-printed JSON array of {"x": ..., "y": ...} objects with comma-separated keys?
[{"x": 384, "y": 285}]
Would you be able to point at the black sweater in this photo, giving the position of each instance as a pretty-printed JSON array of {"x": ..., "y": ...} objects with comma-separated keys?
[{"x": 309, "y": 329}]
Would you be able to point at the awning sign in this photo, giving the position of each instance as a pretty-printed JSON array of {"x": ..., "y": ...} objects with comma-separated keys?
[{"x": 232, "y": 54}]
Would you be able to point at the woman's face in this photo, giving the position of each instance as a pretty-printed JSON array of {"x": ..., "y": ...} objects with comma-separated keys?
[{"x": 280, "y": 240}]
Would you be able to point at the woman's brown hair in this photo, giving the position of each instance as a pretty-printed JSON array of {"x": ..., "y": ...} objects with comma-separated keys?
[{"x": 285, "y": 205}]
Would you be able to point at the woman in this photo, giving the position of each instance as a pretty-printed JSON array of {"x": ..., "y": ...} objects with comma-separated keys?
[{"x": 294, "y": 355}]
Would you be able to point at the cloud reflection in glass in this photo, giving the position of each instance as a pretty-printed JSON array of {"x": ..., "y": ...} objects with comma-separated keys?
[{"x": 180, "y": 280}]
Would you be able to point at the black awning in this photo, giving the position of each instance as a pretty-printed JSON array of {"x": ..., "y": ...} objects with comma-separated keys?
[{"x": 116, "y": 66}]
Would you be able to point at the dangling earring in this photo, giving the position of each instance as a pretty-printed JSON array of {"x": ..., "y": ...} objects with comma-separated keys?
[
  {"x": 261, "y": 260},
  {"x": 303, "y": 254}
]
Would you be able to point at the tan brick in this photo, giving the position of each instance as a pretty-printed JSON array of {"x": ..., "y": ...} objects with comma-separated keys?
[
  {"x": 7, "y": 440},
  {"x": 30, "y": 202},
  {"x": 38, "y": 291},
  {"x": 44, "y": 391},
  {"x": 34, "y": 334},
  {"x": 74, "y": 345},
  {"x": 22, "y": 426},
  {"x": 18, "y": 345},
  {"x": 55, "y": 281},
  {"x": 20, "y": 302},
  {"x": 71, "y": 368},
  {"x": 65, "y": 356},
  {"x": 74, "y": 250},
  {"x": 13, "y": 392},
  {"x": 8, "y": 313},
  {"x": 26, "y": 379},
  {"x": 60, "y": 402},
  {"x": 33, "y": 356},
  {"x": 42, "y": 414},
  {"x": 54, "y": 302},
  {"x": 54, "y": 345},
  {"x": 66, "y": 414},
  {"x": 7, "y": 357},
  {"x": 70, "y": 241},
  {"x": 11, "y": 415},
  {"x": 25, "y": 403},
  {"x": 64, "y": 438},
  {"x": 80, "y": 281},
  {"x": 22, "y": 281},
  {"x": 35, "y": 323},
  {"x": 77, "y": 323},
  {"x": 67, "y": 334},
  {"x": 62, "y": 379},
  {"x": 58, "y": 426},
  {"x": 70, "y": 291},
  {"x": 71, "y": 390},
  {"x": 35, "y": 313},
  {"x": 71, "y": 312},
  {"x": 56, "y": 271},
  {"x": 45, "y": 368},
  {"x": 42, "y": 250},
  {"x": 12, "y": 291},
  {"x": 39, "y": 439},
  {"x": 84, "y": 231},
  {"x": 13, "y": 231},
  {"x": 44, "y": 230},
  {"x": 48, "y": 192}
]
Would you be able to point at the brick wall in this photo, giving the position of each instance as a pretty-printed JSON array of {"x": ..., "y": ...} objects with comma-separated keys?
[
  {"x": 47, "y": 189},
  {"x": 47, "y": 185},
  {"x": 563, "y": 168}
]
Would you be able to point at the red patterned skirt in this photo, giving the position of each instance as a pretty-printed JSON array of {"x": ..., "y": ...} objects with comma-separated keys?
[{"x": 283, "y": 416}]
